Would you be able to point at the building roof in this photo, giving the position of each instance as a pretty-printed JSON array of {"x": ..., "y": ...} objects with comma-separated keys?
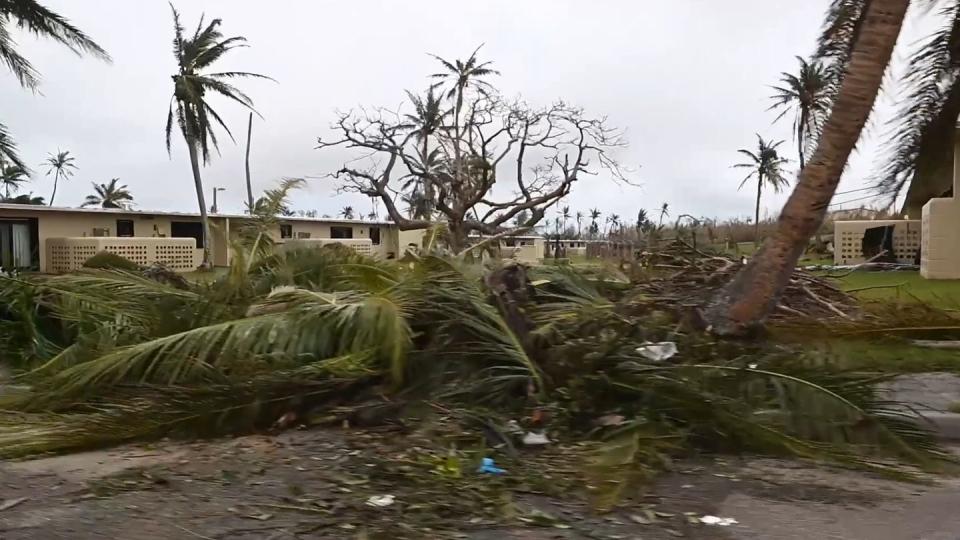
[{"x": 122, "y": 211}]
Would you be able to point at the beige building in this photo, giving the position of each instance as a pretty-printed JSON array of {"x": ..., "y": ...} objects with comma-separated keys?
[
  {"x": 54, "y": 239},
  {"x": 934, "y": 238},
  {"x": 940, "y": 231}
]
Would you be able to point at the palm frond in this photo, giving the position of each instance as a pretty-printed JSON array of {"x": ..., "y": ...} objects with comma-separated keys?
[
  {"x": 8, "y": 149},
  {"x": 919, "y": 148}
]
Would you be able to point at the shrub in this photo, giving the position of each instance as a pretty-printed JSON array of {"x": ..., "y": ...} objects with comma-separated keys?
[{"x": 111, "y": 261}]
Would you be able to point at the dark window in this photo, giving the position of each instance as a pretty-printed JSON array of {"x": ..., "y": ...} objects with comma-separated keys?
[
  {"x": 375, "y": 235},
  {"x": 509, "y": 242},
  {"x": 125, "y": 227},
  {"x": 286, "y": 231},
  {"x": 187, "y": 229},
  {"x": 341, "y": 232},
  {"x": 303, "y": 235}
]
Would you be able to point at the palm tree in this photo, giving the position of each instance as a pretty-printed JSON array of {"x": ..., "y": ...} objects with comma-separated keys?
[
  {"x": 917, "y": 156},
  {"x": 579, "y": 218},
  {"x": 643, "y": 221},
  {"x": 11, "y": 176},
  {"x": 347, "y": 212},
  {"x": 766, "y": 166},
  {"x": 863, "y": 42},
  {"x": 61, "y": 166},
  {"x": 565, "y": 215},
  {"x": 426, "y": 120},
  {"x": 613, "y": 221},
  {"x": 594, "y": 216},
  {"x": 109, "y": 195},
  {"x": 664, "y": 213},
  {"x": 462, "y": 75},
  {"x": 191, "y": 84},
  {"x": 42, "y": 22},
  {"x": 806, "y": 94}
]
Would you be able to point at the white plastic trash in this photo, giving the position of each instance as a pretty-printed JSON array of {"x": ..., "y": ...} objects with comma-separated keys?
[
  {"x": 380, "y": 501},
  {"x": 535, "y": 439},
  {"x": 658, "y": 352},
  {"x": 721, "y": 521}
]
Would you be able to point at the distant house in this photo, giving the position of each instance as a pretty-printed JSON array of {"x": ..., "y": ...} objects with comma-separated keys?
[
  {"x": 52, "y": 239},
  {"x": 55, "y": 239}
]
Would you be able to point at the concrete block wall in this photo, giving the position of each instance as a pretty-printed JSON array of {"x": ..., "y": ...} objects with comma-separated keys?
[
  {"x": 69, "y": 254},
  {"x": 848, "y": 239},
  {"x": 940, "y": 257}
]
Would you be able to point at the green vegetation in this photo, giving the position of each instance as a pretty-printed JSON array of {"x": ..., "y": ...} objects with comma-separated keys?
[
  {"x": 903, "y": 287},
  {"x": 111, "y": 261},
  {"x": 108, "y": 356}
]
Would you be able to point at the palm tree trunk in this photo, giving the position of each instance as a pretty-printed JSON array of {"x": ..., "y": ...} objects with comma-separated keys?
[
  {"x": 247, "y": 165},
  {"x": 800, "y": 138},
  {"x": 198, "y": 182},
  {"x": 754, "y": 292},
  {"x": 56, "y": 178},
  {"x": 756, "y": 218}
]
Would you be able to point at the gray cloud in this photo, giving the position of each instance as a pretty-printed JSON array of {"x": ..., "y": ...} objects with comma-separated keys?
[{"x": 687, "y": 79}]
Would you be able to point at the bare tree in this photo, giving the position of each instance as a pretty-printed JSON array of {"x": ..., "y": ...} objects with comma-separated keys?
[{"x": 475, "y": 141}]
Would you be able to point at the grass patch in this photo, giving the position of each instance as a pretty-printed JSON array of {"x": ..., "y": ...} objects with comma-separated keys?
[
  {"x": 902, "y": 286},
  {"x": 888, "y": 355}
]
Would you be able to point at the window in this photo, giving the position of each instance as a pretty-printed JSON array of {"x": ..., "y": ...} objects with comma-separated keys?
[
  {"x": 509, "y": 242},
  {"x": 341, "y": 232},
  {"x": 303, "y": 235},
  {"x": 375, "y": 235},
  {"x": 286, "y": 231},
  {"x": 187, "y": 229},
  {"x": 125, "y": 227}
]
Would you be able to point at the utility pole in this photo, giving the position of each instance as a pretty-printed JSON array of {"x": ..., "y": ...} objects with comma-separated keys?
[{"x": 213, "y": 209}]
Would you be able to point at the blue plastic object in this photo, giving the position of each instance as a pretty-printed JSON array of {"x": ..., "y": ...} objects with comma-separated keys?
[{"x": 487, "y": 466}]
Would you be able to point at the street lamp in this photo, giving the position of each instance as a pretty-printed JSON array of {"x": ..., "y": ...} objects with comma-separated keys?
[{"x": 213, "y": 209}]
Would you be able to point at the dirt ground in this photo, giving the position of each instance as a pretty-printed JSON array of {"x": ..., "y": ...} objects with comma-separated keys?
[{"x": 318, "y": 484}]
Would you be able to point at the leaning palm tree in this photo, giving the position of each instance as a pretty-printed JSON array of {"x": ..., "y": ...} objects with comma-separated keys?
[
  {"x": 859, "y": 44},
  {"x": 579, "y": 218},
  {"x": 191, "y": 84},
  {"x": 806, "y": 95},
  {"x": 11, "y": 177},
  {"x": 766, "y": 166},
  {"x": 347, "y": 212},
  {"x": 109, "y": 195},
  {"x": 61, "y": 166},
  {"x": 42, "y": 22}
]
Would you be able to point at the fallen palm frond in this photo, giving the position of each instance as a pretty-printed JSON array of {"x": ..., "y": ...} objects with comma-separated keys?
[{"x": 305, "y": 329}]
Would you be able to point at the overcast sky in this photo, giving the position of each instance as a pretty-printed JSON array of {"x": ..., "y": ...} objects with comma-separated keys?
[{"x": 687, "y": 79}]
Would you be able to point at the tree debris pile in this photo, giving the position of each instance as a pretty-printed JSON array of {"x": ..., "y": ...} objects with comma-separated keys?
[
  {"x": 684, "y": 276},
  {"x": 517, "y": 356}
]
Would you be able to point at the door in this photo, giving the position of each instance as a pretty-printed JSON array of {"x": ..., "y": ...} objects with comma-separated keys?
[{"x": 16, "y": 245}]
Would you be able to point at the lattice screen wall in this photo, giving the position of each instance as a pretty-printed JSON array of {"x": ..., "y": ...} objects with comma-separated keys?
[
  {"x": 848, "y": 239},
  {"x": 68, "y": 254},
  {"x": 363, "y": 246}
]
